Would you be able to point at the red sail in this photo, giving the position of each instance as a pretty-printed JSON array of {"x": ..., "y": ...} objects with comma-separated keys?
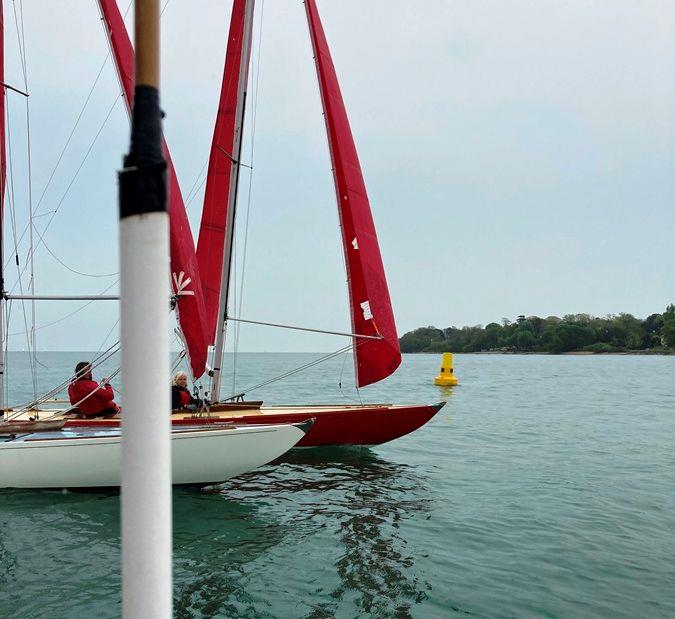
[
  {"x": 371, "y": 311},
  {"x": 219, "y": 179},
  {"x": 184, "y": 268}
]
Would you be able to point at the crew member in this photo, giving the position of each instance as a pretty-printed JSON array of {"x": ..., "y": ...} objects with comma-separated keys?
[
  {"x": 180, "y": 394},
  {"x": 91, "y": 398}
]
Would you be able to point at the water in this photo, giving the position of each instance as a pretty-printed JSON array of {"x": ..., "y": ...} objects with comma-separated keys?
[{"x": 545, "y": 488}]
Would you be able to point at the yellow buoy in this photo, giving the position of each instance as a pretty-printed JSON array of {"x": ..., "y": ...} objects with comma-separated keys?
[{"x": 447, "y": 376}]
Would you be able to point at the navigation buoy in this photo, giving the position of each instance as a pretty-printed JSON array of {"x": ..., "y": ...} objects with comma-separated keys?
[{"x": 447, "y": 376}]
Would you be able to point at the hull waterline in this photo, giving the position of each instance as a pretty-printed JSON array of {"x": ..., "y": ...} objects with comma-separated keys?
[{"x": 88, "y": 457}]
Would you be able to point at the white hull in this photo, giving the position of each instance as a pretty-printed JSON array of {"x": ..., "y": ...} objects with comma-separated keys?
[{"x": 88, "y": 459}]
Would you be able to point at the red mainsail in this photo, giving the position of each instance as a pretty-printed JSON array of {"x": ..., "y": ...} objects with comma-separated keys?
[
  {"x": 220, "y": 178},
  {"x": 371, "y": 311},
  {"x": 184, "y": 268}
]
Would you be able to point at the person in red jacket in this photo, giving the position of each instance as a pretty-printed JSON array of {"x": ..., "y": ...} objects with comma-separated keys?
[
  {"x": 180, "y": 394},
  {"x": 100, "y": 402}
]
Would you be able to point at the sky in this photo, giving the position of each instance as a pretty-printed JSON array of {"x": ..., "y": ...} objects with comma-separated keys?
[{"x": 519, "y": 158}]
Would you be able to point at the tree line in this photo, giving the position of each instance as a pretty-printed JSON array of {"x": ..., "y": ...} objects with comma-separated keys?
[{"x": 571, "y": 333}]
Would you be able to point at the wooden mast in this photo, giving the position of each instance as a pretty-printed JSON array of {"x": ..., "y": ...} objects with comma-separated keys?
[{"x": 144, "y": 289}]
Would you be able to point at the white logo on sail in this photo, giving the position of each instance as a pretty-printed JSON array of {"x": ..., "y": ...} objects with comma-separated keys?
[
  {"x": 365, "y": 307},
  {"x": 180, "y": 284},
  {"x": 355, "y": 243}
]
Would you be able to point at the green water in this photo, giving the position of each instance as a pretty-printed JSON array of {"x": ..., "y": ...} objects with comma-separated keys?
[{"x": 545, "y": 488}]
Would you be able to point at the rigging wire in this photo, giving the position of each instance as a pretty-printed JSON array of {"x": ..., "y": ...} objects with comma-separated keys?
[
  {"x": 12, "y": 211},
  {"x": 63, "y": 264},
  {"x": 77, "y": 121},
  {"x": 58, "y": 413},
  {"x": 234, "y": 304},
  {"x": 105, "y": 339},
  {"x": 96, "y": 362},
  {"x": 42, "y": 214},
  {"x": 5, "y": 383},
  {"x": 79, "y": 309},
  {"x": 77, "y": 172},
  {"x": 72, "y": 131},
  {"x": 72, "y": 181},
  {"x": 197, "y": 185},
  {"x": 32, "y": 212},
  {"x": 21, "y": 39},
  {"x": 293, "y": 371}
]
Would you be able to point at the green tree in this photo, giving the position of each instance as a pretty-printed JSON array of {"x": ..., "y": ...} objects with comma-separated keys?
[
  {"x": 668, "y": 333},
  {"x": 550, "y": 334},
  {"x": 525, "y": 339},
  {"x": 420, "y": 339}
]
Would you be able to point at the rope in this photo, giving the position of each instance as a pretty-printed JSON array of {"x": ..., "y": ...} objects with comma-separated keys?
[
  {"x": 63, "y": 197},
  {"x": 342, "y": 369},
  {"x": 12, "y": 211},
  {"x": 77, "y": 172},
  {"x": 53, "y": 213},
  {"x": 5, "y": 383},
  {"x": 310, "y": 330},
  {"x": 63, "y": 264},
  {"x": 177, "y": 361},
  {"x": 22, "y": 49},
  {"x": 86, "y": 397},
  {"x": 97, "y": 361},
  {"x": 72, "y": 131},
  {"x": 292, "y": 372},
  {"x": 192, "y": 194},
  {"x": 107, "y": 336},
  {"x": 70, "y": 136},
  {"x": 21, "y": 39}
]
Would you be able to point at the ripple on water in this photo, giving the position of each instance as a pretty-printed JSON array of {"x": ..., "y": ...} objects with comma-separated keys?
[{"x": 543, "y": 489}]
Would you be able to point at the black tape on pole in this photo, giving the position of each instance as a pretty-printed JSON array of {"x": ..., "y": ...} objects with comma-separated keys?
[{"x": 143, "y": 187}]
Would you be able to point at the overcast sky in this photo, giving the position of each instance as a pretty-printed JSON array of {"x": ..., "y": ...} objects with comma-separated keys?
[{"x": 519, "y": 156}]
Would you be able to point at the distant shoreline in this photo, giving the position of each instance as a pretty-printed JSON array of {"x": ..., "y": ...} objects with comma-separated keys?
[{"x": 573, "y": 334}]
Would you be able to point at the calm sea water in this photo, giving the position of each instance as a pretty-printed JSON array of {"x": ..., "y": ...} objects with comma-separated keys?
[{"x": 545, "y": 488}]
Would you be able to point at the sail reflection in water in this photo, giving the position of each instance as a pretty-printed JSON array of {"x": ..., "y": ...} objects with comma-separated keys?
[{"x": 335, "y": 516}]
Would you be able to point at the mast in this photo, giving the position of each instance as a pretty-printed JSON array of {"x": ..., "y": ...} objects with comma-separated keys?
[
  {"x": 144, "y": 288},
  {"x": 234, "y": 162},
  {"x": 2, "y": 203}
]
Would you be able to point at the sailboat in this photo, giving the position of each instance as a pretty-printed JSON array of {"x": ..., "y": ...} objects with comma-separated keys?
[
  {"x": 38, "y": 453},
  {"x": 202, "y": 279},
  {"x": 86, "y": 457}
]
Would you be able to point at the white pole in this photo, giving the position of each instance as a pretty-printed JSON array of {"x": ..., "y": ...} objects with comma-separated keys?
[
  {"x": 144, "y": 289},
  {"x": 146, "y": 456}
]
